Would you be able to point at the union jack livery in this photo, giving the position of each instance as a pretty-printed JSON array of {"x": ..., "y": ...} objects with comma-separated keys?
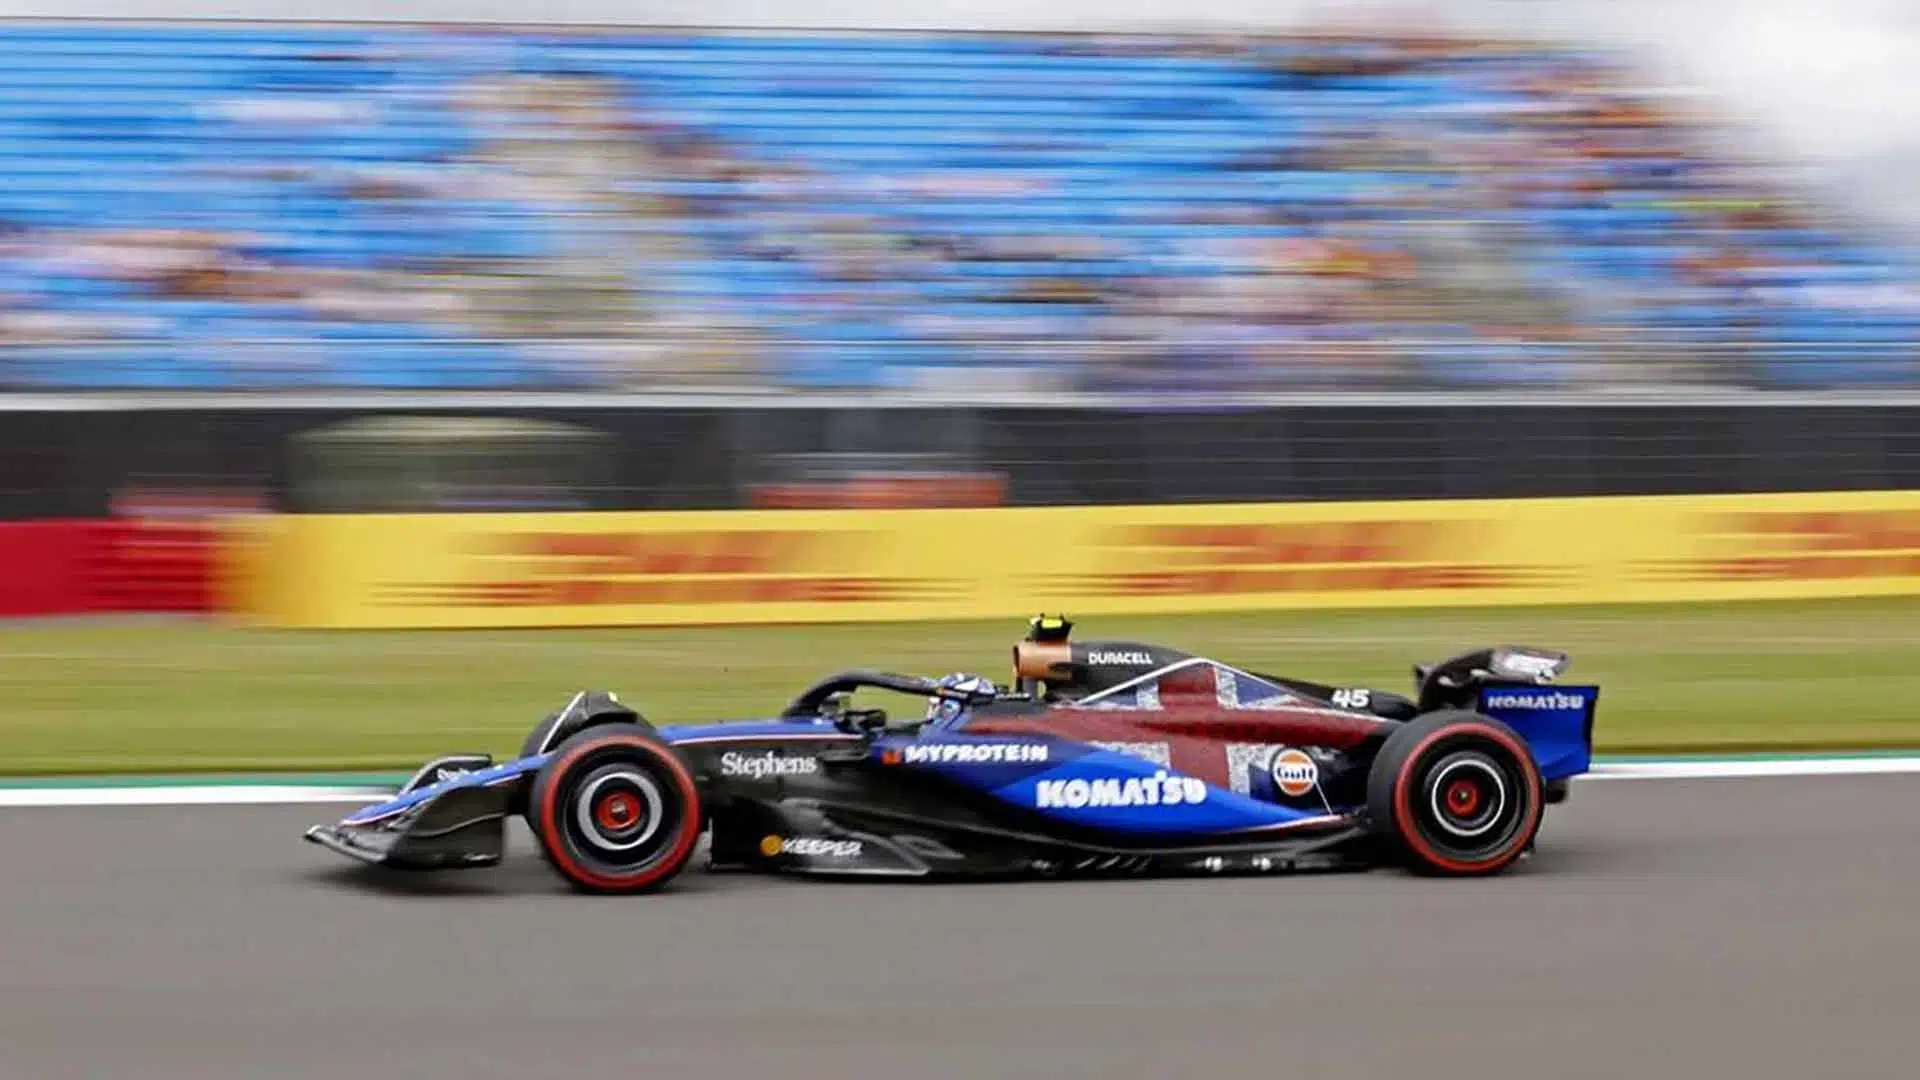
[{"x": 1097, "y": 757}]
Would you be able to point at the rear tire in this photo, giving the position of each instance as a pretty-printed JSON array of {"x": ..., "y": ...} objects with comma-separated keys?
[
  {"x": 1455, "y": 793},
  {"x": 615, "y": 810}
]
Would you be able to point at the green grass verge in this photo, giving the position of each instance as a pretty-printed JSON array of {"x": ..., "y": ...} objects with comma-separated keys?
[{"x": 158, "y": 695}]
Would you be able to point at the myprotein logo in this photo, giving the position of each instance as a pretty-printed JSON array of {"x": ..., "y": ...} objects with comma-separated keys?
[
  {"x": 1119, "y": 658},
  {"x": 766, "y": 766},
  {"x": 973, "y": 753},
  {"x": 1530, "y": 700},
  {"x": 1160, "y": 789}
]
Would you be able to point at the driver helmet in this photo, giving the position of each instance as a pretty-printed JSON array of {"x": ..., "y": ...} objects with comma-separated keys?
[{"x": 946, "y": 709}]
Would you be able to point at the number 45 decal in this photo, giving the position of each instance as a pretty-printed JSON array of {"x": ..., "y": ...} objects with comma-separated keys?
[{"x": 1352, "y": 699}]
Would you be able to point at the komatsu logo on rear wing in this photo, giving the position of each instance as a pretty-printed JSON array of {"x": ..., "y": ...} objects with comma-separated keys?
[
  {"x": 1535, "y": 700},
  {"x": 1556, "y": 723}
]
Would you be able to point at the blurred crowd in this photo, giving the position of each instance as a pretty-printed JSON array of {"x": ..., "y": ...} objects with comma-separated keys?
[{"x": 228, "y": 207}]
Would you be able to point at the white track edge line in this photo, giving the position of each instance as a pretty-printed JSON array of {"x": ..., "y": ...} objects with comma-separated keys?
[
  {"x": 190, "y": 795},
  {"x": 1711, "y": 770},
  {"x": 288, "y": 794}
]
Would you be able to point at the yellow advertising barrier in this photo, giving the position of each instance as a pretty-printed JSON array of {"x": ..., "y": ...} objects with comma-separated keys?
[{"x": 578, "y": 569}]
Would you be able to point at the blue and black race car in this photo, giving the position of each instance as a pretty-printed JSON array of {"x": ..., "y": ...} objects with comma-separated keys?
[{"x": 1101, "y": 757}]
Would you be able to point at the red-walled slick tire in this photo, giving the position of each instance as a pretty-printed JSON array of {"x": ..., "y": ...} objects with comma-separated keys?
[
  {"x": 616, "y": 810},
  {"x": 1455, "y": 793}
]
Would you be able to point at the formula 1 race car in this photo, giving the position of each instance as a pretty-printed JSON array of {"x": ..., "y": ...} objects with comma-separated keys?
[{"x": 1101, "y": 757}]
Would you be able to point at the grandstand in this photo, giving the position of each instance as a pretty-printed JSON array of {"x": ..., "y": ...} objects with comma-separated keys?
[{"x": 205, "y": 206}]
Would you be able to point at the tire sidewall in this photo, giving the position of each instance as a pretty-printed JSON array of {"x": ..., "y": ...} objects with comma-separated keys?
[
  {"x": 555, "y": 791},
  {"x": 1396, "y": 777}
]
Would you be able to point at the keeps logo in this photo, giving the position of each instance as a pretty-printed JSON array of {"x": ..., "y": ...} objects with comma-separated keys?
[
  {"x": 1160, "y": 789},
  {"x": 818, "y": 847},
  {"x": 766, "y": 766}
]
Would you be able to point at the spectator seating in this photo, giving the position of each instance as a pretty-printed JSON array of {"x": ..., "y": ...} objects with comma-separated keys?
[{"x": 228, "y": 207}]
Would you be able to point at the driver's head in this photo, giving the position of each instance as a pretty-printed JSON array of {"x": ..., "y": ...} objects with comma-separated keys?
[{"x": 947, "y": 708}]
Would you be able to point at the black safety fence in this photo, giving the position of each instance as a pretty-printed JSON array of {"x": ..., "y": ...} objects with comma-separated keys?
[{"x": 92, "y": 458}]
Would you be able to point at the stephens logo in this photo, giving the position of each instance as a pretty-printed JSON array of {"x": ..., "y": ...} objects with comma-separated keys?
[
  {"x": 1160, "y": 789},
  {"x": 1120, "y": 658},
  {"x": 1294, "y": 773},
  {"x": 765, "y": 766},
  {"x": 967, "y": 754},
  {"x": 1553, "y": 700},
  {"x": 814, "y": 846}
]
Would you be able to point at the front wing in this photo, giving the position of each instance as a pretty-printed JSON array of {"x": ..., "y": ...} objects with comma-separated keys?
[{"x": 449, "y": 816}]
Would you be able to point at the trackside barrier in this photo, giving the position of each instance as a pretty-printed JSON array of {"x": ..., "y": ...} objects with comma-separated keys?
[
  {"x": 86, "y": 565},
  {"x": 576, "y": 569}
]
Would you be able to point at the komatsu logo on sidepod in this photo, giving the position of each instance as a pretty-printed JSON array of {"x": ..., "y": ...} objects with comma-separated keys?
[
  {"x": 1132, "y": 657},
  {"x": 1160, "y": 789},
  {"x": 1540, "y": 700}
]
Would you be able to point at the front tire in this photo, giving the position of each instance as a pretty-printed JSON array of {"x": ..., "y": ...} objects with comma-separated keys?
[
  {"x": 1455, "y": 793},
  {"x": 615, "y": 810}
]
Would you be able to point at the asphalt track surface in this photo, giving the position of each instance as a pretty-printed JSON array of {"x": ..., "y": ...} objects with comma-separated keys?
[{"x": 1705, "y": 928}]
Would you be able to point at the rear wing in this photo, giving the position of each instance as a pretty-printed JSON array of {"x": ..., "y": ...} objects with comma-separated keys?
[
  {"x": 1519, "y": 686},
  {"x": 1556, "y": 722}
]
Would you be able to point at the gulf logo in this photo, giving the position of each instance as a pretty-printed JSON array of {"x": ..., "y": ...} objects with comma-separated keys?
[{"x": 1294, "y": 773}]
